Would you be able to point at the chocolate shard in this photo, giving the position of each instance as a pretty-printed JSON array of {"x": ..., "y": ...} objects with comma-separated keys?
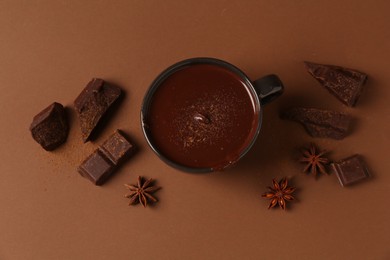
[
  {"x": 320, "y": 123},
  {"x": 345, "y": 84},
  {"x": 351, "y": 170},
  {"x": 92, "y": 103},
  {"x": 50, "y": 127},
  {"x": 103, "y": 162}
]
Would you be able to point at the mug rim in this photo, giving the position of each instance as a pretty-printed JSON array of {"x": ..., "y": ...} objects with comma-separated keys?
[{"x": 168, "y": 72}]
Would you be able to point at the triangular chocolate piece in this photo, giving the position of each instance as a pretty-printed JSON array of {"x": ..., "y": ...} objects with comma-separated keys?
[{"x": 345, "y": 84}]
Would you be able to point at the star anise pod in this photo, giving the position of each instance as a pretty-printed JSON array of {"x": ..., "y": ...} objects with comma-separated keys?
[
  {"x": 141, "y": 192},
  {"x": 279, "y": 194},
  {"x": 315, "y": 160}
]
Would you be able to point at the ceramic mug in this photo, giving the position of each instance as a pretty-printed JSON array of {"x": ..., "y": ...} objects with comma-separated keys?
[{"x": 204, "y": 114}]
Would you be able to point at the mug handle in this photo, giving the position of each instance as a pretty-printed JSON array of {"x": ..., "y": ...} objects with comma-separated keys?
[{"x": 268, "y": 88}]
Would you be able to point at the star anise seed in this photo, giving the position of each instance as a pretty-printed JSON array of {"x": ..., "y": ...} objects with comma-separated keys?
[
  {"x": 141, "y": 193},
  {"x": 315, "y": 160},
  {"x": 280, "y": 193}
]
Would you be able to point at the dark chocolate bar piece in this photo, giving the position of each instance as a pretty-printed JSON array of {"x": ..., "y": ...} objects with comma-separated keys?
[
  {"x": 117, "y": 148},
  {"x": 345, "y": 84},
  {"x": 92, "y": 103},
  {"x": 320, "y": 123},
  {"x": 50, "y": 127},
  {"x": 100, "y": 165},
  {"x": 97, "y": 168},
  {"x": 350, "y": 170}
]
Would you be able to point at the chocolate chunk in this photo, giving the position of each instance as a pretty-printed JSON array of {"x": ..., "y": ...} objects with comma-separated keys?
[
  {"x": 92, "y": 103},
  {"x": 100, "y": 165},
  {"x": 350, "y": 170},
  {"x": 117, "y": 147},
  {"x": 50, "y": 127},
  {"x": 345, "y": 84},
  {"x": 320, "y": 123}
]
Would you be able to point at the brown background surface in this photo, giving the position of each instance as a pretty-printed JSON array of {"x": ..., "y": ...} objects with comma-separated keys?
[{"x": 49, "y": 50}]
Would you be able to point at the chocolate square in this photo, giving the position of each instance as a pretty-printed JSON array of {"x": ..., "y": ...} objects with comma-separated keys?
[
  {"x": 106, "y": 159},
  {"x": 117, "y": 147},
  {"x": 350, "y": 170},
  {"x": 96, "y": 168}
]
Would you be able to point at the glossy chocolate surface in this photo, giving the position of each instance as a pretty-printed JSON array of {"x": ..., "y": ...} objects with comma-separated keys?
[{"x": 202, "y": 116}]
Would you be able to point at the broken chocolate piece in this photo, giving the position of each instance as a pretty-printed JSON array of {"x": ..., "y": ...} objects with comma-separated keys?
[
  {"x": 50, "y": 127},
  {"x": 345, "y": 84},
  {"x": 320, "y": 123},
  {"x": 350, "y": 170},
  {"x": 100, "y": 165},
  {"x": 92, "y": 103}
]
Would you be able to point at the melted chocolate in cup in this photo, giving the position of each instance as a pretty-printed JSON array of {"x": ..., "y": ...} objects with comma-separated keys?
[{"x": 201, "y": 117}]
